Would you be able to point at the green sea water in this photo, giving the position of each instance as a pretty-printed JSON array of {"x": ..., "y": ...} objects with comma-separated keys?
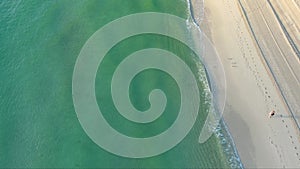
[{"x": 39, "y": 44}]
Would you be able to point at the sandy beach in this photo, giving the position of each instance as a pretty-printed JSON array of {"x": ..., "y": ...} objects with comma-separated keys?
[{"x": 262, "y": 72}]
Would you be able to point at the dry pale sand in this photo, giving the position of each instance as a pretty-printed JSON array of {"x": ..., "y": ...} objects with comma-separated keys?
[
  {"x": 277, "y": 48},
  {"x": 251, "y": 92}
]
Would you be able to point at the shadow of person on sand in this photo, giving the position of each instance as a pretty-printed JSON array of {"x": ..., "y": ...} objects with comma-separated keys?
[{"x": 285, "y": 116}]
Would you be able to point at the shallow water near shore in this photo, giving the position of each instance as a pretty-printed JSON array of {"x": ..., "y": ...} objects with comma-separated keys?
[{"x": 40, "y": 42}]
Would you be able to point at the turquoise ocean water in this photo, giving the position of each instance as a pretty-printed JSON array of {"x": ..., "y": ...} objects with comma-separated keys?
[{"x": 39, "y": 44}]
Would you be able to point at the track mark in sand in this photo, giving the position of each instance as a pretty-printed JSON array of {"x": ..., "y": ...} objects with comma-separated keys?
[
  {"x": 292, "y": 141},
  {"x": 277, "y": 149},
  {"x": 248, "y": 56},
  {"x": 250, "y": 60},
  {"x": 233, "y": 62},
  {"x": 252, "y": 64}
]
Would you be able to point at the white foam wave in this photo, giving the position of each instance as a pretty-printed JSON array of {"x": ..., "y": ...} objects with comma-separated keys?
[{"x": 221, "y": 131}]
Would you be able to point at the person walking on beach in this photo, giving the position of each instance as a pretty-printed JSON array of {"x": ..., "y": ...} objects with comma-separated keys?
[{"x": 272, "y": 113}]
